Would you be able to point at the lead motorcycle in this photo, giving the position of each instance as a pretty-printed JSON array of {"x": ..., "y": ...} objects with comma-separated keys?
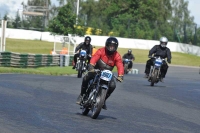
[
  {"x": 96, "y": 92},
  {"x": 81, "y": 63},
  {"x": 155, "y": 72}
]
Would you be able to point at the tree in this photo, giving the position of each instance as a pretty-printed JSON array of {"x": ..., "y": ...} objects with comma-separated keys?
[
  {"x": 37, "y": 22},
  {"x": 181, "y": 19},
  {"x": 9, "y": 21},
  {"x": 143, "y": 19},
  {"x": 64, "y": 22},
  {"x": 123, "y": 17},
  {"x": 17, "y": 21}
]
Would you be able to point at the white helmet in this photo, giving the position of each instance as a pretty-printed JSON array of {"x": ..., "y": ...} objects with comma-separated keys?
[{"x": 163, "y": 42}]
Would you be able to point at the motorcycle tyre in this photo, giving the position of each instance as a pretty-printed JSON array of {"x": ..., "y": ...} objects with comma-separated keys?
[{"x": 97, "y": 109}]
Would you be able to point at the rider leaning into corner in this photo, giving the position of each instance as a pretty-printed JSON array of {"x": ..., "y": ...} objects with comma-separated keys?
[
  {"x": 84, "y": 46},
  {"x": 129, "y": 56},
  {"x": 105, "y": 58},
  {"x": 162, "y": 51}
]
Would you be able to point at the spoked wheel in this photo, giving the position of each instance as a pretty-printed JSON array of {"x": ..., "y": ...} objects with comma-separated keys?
[
  {"x": 126, "y": 69},
  {"x": 96, "y": 109},
  {"x": 85, "y": 110},
  {"x": 152, "y": 83},
  {"x": 154, "y": 77},
  {"x": 80, "y": 69}
]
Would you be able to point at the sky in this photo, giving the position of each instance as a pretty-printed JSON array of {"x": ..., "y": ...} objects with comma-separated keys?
[{"x": 12, "y": 6}]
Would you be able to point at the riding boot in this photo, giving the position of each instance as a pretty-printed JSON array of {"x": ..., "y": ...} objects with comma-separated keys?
[
  {"x": 74, "y": 65},
  {"x": 83, "y": 90},
  {"x": 104, "y": 106},
  {"x": 79, "y": 99}
]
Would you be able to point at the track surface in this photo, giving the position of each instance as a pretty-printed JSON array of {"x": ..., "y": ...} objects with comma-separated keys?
[{"x": 46, "y": 104}]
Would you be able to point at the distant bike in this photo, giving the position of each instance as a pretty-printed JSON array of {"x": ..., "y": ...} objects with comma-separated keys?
[
  {"x": 155, "y": 73},
  {"x": 96, "y": 92},
  {"x": 126, "y": 66},
  {"x": 81, "y": 63}
]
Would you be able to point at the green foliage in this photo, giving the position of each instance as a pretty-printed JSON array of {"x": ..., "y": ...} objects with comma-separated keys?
[
  {"x": 64, "y": 22},
  {"x": 142, "y": 19},
  {"x": 17, "y": 21}
]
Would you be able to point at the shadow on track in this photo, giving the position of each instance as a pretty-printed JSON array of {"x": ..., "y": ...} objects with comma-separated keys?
[{"x": 100, "y": 117}]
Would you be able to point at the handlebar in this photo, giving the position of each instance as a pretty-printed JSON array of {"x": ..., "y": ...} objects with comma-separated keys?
[
  {"x": 156, "y": 57},
  {"x": 127, "y": 59},
  {"x": 86, "y": 54}
]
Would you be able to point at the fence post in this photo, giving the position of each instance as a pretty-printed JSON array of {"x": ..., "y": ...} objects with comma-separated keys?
[
  {"x": 61, "y": 60},
  {"x": 3, "y": 38}
]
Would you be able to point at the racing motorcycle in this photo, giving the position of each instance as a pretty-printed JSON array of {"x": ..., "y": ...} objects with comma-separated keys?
[
  {"x": 81, "y": 63},
  {"x": 155, "y": 72},
  {"x": 96, "y": 92},
  {"x": 126, "y": 64}
]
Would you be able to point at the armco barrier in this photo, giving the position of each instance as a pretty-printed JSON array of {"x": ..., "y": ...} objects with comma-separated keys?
[{"x": 10, "y": 59}]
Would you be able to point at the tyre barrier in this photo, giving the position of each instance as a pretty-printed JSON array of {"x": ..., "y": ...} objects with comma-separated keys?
[{"x": 11, "y": 59}]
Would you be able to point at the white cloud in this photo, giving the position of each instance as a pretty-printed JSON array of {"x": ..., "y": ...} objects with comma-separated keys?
[
  {"x": 10, "y": 7},
  {"x": 194, "y": 9}
]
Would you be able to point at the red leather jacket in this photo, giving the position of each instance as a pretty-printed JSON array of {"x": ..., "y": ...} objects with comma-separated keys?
[{"x": 103, "y": 61}]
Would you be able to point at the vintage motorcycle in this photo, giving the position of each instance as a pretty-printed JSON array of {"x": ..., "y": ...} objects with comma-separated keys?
[
  {"x": 96, "y": 92},
  {"x": 81, "y": 63},
  {"x": 126, "y": 64},
  {"x": 155, "y": 72}
]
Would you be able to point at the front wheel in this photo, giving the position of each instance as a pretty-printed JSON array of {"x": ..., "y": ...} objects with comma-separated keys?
[
  {"x": 126, "y": 68},
  {"x": 96, "y": 109},
  {"x": 85, "y": 110},
  {"x": 80, "y": 69},
  {"x": 154, "y": 77}
]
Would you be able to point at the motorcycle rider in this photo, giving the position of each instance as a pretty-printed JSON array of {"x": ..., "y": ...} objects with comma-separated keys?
[
  {"x": 162, "y": 51},
  {"x": 129, "y": 56},
  {"x": 84, "y": 46},
  {"x": 105, "y": 58}
]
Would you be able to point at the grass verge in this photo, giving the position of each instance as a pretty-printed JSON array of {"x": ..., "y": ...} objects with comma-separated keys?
[{"x": 43, "y": 47}]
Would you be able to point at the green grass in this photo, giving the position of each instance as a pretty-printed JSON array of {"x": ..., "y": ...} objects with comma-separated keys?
[
  {"x": 40, "y": 70},
  {"x": 43, "y": 47},
  {"x": 28, "y": 46},
  {"x": 141, "y": 56}
]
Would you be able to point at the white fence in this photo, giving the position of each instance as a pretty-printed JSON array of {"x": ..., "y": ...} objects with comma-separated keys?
[{"x": 100, "y": 41}]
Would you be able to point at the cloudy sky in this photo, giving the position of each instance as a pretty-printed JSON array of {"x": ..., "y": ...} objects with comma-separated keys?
[{"x": 11, "y": 7}]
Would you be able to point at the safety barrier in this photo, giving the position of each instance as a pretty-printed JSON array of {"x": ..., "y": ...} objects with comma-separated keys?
[{"x": 10, "y": 59}]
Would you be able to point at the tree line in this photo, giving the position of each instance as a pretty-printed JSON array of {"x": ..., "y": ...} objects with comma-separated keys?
[{"x": 139, "y": 19}]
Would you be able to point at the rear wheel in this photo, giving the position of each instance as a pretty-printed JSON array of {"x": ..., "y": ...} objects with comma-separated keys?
[
  {"x": 154, "y": 77},
  {"x": 96, "y": 109},
  {"x": 80, "y": 69}
]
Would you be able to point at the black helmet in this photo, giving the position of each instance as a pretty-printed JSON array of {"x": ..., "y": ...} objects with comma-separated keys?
[
  {"x": 87, "y": 40},
  {"x": 129, "y": 51},
  {"x": 163, "y": 42},
  {"x": 111, "y": 41}
]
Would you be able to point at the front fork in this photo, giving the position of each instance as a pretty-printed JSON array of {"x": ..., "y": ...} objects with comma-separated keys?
[{"x": 152, "y": 74}]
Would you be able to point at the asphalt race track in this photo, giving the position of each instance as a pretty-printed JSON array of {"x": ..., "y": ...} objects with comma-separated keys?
[{"x": 46, "y": 104}]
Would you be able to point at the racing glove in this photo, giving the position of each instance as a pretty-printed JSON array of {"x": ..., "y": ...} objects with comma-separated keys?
[
  {"x": 120, "y": 78},
  {"x": 90, "y": 68},
  {"x": 169, "y": 61}
]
